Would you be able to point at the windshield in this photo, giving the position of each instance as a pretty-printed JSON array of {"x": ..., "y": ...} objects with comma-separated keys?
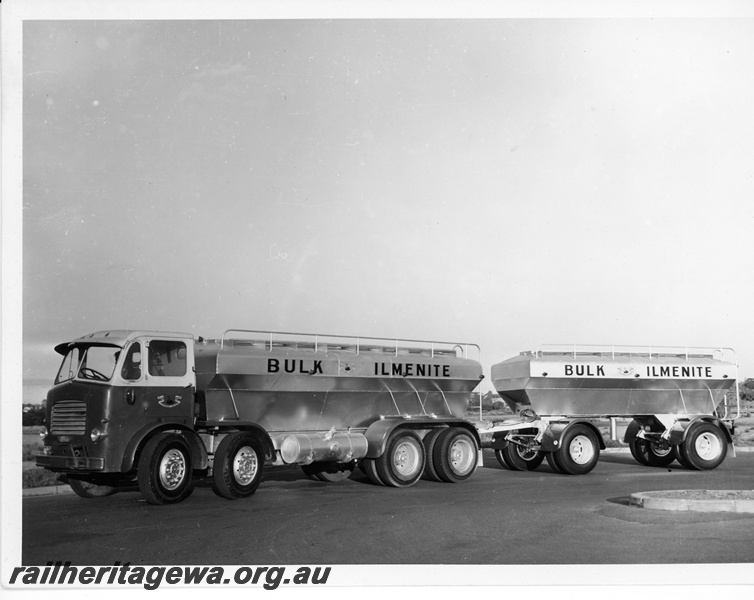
[{"x": 96, "y": 363}]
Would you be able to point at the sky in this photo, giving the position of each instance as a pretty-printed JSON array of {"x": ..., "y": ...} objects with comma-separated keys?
[{"x": 503, "y": 182}]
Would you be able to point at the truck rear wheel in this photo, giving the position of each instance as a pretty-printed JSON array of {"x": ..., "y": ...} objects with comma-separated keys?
[
  {"x": 454, "y": 455},
  {"x": 579, "y": 451},
  {"x": 369, "y": 466},
  {"x": 164, "y": 472},
  {"x": 85, "y": 489},
  {"x": 430, "y": 472},
  {"x": 238, "y": 466},
  {"x": 402, "y": 463},
  {"x": 520, "y": 458},
  {"x": 704, "y": 448}
]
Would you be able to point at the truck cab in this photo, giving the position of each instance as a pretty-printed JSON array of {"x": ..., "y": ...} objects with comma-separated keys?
[{"x": 113, "y": 389}]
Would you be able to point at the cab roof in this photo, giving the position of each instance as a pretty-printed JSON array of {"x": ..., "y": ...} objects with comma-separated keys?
[{"x": 117, "y": 337}]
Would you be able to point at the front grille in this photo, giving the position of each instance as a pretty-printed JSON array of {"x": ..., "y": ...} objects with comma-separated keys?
[{"x": 68, "y": 418}]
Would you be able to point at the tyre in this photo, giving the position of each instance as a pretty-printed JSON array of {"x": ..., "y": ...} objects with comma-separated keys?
[
  {"x": 520, "y": 458},
  {"x": 164, "y": 471},
  {"x": 639, "y": 451},
  {"x": 238, "y": 466},
  {"x": 454, "y": 455},
  {"x": 681, "y": 459},
  {"x": 402, "y": 463},
  {"x": 550, "y": 458},
  {"x": 704, "y": 448},
  {"x": 369, "y": 466},
  {"x": 430, "y": 472},
  {"x": 659, "y": 454},
  {"x": 329, "y": 472},
  {"x": 86, "y": 489},
  {"x": 579, "y": 451}
]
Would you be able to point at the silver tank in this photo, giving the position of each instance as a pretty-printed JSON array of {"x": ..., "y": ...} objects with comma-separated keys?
[
  {"x": 616, "y": 381},
  {"x": 301, "y": 382}
]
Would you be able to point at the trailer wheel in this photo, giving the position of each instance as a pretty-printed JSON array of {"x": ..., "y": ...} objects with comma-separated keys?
[
  {"x": 430, "y": 472},
  {"x": 86, "y": 489},
  {"x": 579, "y": 451},
  {"x": 550, "y": 458},
  {"x": 659, "y": 455},
  {"x": 639, "y": 450},
  {"x": 402, "y": 463},
  {"x": 520, "y": 458},
  {"x": 704, "y": 448},
  {"x": 164, "y": 471},
  {"x": 681, "y": 459},
  {"x": 454, "y": 455},
  {"x": 238, "y": 466},
  {"x": 328, "y": 472},
  {"x": 369, "y": 466}
]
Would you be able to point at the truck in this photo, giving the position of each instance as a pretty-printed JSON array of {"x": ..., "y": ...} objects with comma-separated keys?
[
  {"x": 680, "y": 404},
  {"x": 164, "y": 411}
]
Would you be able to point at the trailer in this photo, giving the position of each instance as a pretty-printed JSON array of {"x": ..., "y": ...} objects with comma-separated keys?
[
  {"x": 164, "y": 411},
  {"x": 680, "y": 405}
]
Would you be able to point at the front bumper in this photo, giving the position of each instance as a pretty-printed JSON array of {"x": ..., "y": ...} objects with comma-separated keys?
[{"x": 70, "y": 463}]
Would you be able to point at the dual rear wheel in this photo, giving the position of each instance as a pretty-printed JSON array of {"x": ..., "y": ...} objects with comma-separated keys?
[
  {"x": 704, "y": 448},
  {"x": 448, "y": 455},
  {"x": 578, "y": 453}
]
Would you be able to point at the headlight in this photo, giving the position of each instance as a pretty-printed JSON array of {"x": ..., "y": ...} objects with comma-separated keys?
[
  {"x": 95, "y": 434},
  {"x": 43, "y": 433}
]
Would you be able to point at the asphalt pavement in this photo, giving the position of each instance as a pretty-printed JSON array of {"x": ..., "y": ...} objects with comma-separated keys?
[{"x": 498, "y": 517}]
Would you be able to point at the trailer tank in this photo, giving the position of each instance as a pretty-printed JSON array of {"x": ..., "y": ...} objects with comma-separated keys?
[{"x": 676, "y": 398}]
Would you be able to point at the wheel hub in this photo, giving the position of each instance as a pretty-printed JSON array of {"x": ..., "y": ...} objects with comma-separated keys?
[
  {"x": 708, "y": 446},
  {"x": 245, "y": 465},
  {"x": 581, "y": 450},
  {"x": 172, "y": 469},
  {"x": 461, "y": 456},
  {"x": 405, "y": 458}
]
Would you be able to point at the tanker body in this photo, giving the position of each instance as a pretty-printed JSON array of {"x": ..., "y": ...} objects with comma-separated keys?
[
  {"x": 162, "y": 410},
  {"x": 676, "y": 399}
]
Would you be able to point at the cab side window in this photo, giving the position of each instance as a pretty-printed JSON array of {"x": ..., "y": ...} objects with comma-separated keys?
[
  {"x": 167, "y": 358},
  {"x": 132, "y": 365}
]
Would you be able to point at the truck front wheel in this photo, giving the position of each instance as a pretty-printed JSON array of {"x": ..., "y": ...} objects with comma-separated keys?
[
  {"x": 402, "y": 463},
  {"x": 164, "y": 471},
  {"x": 238, "y": 466},
  {"x": 704, "y": 448},
  {"x": 579, "y": 451}
]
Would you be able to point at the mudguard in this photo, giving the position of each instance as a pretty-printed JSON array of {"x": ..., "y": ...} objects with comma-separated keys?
[
  {"x": 556, "y": 430},
  {"x": 198, "y": 451}
]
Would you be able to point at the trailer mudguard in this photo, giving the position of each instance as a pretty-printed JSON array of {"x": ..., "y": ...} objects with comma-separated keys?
[
  {"x": 634, "y": 427},
  {"x": 678, "y": 437},
  {"x": 556, "y": 430},
  {"x": 378, "y": 432}
]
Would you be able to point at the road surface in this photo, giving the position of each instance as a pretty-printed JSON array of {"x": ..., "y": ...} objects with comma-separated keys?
[{"x": 498, "y": 517}]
